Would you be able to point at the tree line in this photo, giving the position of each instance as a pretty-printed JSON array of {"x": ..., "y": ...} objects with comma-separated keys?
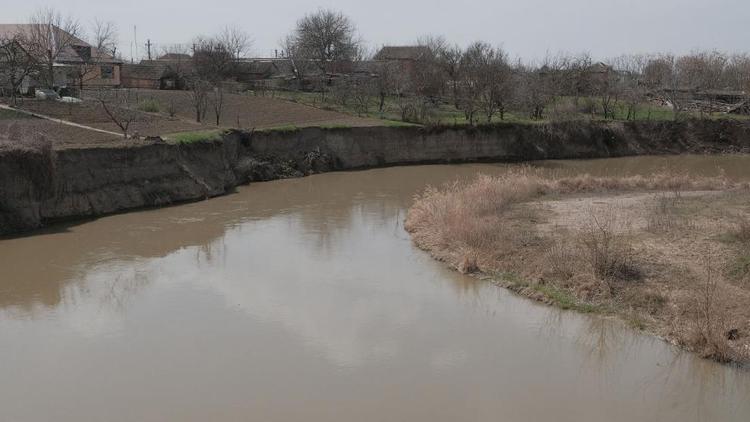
[{"x": 481, "y": 81}]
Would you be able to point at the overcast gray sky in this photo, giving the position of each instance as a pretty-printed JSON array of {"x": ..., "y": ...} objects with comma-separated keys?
[{"x": 526, "y": 28}]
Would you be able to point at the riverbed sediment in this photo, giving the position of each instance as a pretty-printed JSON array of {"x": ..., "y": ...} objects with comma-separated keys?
[{"x": 41, "y": 186}]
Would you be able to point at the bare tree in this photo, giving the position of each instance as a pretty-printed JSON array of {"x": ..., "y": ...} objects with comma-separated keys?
[
  {"x": 450, "y": 60},
  {"x": 404, "y": 95},
  {"x": 662, "y": 76},
  {"x": 608, "y": 88},
  {"x": 630, "y": 69},
  {"x": 342, "y": 90},
  {"x": 474, "y": 64},
  {"x": 385, "y": 82},
  {"x": 16, "y": 64},
  {"x": 702, "y": 73},
  {"x": 430, "y": 76},
  {"x": 213, "y": 62},
  {"x": 324, "y": 38},
  {"x": 105, "y": 37},
  {"x": 199, "y": 90},
  {"x": 363, "y": 91},
  {"x": 496, "y": 80},
  {"x": 117, "y": 105},
  {"x": 217, "y": 101},
  {"x": 737, "y": 73},
  {"x": 298, "y": 58},
  {"x": 104, "y": 41},
  {"x": 579, "y": 77},
  {"x": 49, "y": 35},
  {"x": 236, "y": 41},
  {"x": 533, "y": 94}
]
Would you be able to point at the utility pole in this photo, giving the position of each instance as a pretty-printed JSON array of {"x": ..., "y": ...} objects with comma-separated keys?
[
  {"x": 148, "y": 46},
  {"x": 135, "y": 39}
]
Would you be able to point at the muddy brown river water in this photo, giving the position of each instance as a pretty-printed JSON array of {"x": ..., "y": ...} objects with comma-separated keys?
[{"x": 304, "y": 300}]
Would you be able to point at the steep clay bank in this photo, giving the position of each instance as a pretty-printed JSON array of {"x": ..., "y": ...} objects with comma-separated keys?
[{"x": 39, "y": 187}]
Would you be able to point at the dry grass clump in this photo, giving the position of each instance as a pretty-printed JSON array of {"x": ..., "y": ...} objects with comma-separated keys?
[
  {"x": 463, "y": 223},
  {"x": 608, "y": 253},
  {"x": 712, "y": 332},
  {"x": 563, "y": 260},
  {"x": 665, "y": 216},
  {"x": 607, "y": 259}
]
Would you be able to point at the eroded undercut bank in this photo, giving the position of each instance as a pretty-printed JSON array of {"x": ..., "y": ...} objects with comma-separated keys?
[{"x": 41, "y": 185}]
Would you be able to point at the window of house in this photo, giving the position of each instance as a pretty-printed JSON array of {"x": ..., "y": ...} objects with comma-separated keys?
[{"x": 107, "y": 72}]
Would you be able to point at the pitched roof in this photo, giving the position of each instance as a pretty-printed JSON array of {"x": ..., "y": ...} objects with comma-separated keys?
[
  {"x": 174, "y": 57},
  {"x": 411, "y": 52},
  {"x": 70, "y": 54}
]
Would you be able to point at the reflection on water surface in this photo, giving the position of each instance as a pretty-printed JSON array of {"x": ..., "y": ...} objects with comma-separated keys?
[{"x": 304, "y": 299}]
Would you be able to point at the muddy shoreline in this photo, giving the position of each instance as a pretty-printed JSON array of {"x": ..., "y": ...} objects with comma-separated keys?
[{"x": 40, "y": 187}]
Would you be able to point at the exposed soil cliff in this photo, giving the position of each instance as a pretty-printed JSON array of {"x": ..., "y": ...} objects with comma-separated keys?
[{"x": 38, "y": 187}]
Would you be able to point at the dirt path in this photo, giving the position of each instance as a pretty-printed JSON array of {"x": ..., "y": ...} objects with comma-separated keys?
[{"x": 632, "y": 209}]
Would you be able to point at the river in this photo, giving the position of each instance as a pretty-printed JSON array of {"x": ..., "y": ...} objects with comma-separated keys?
[{"x": 305, "y": 300}]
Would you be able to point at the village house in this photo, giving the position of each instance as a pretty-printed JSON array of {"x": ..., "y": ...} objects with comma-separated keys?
[
  {"x": 145, "y": 76},
  {"x": 168, "y": 71},
  {"x": 78, "y": 65},
  {"x": 406, "y": 57}
]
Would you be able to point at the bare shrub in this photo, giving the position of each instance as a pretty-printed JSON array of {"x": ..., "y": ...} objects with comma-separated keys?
[
  {"x": 661, "y": 216},
  {"x": 607, "y": 252},
  {"x": 710, "y": 335},
  {"x": 563, "y": 259},
  {"x": 664, "y": 215},
  {"x": 645, "y": 300},
  {"x": 465, "y": 219}
]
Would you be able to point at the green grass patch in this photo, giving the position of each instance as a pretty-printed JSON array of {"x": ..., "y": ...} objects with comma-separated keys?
[
  {"x": 281, "y": 129},
  {"x": 149, "y": 106},
  {"x": 398, "y": 123},
  {"x": 740, "y": 268},
  {"x": 446, "y": 114},
  {"x": 196, "y": 136},
  {"x": 559, "y": 297},
  {"x": 12, "y": 115},
  {"x": 335, "y": 126}
]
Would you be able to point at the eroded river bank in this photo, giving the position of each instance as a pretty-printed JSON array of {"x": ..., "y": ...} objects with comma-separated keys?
[
  {"x": 41, "y": 184},
  {"x": 305, "y": 299}
]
